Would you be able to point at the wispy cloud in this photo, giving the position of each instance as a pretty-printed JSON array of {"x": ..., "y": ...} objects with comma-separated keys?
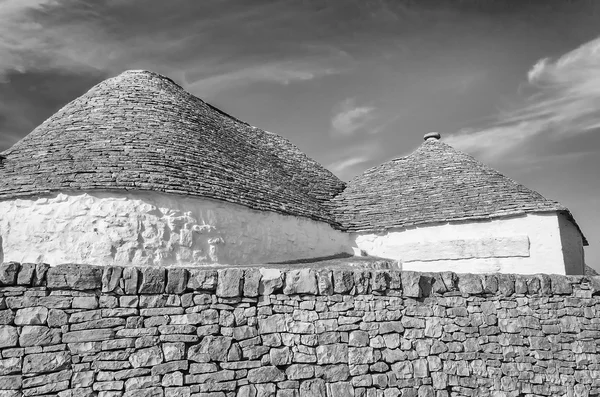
[
  {"x": 567, "y": 103},
  {"x": 350, "y": 117},
  {"x": 342, "y": 165},
  {"x": 274, "y": 72},
  {"x": 75, "y": 36},
  {"x": 351, "y": 160}
]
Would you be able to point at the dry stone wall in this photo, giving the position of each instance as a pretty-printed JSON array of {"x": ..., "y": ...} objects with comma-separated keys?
[{"x": 79, "y": 330}]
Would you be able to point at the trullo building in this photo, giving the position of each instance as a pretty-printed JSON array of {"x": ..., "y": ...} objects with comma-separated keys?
[{"x": 139, "y": 172}]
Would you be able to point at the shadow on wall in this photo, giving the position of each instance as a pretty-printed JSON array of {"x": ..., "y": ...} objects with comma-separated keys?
[{"x": 1, "y": 251}]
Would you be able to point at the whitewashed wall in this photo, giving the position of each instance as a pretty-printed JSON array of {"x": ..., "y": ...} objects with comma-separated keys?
[
  {"x": 151, "y": 228},
  {"x": 525, "y": 244}
]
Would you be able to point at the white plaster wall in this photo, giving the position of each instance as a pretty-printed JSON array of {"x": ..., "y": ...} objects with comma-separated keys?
[
  {"x": 152, "y": 228},
  {"x": 526, "y": 244},
  {"x": 572, "y": 246}
]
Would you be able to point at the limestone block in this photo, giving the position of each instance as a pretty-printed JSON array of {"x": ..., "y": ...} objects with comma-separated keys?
[
  {"x": 173, "y": 351},
  {"x": 506, "y": 284},
  {"x": 46, "y": 362},
  {"x": 55, "y": 302},
  {"x": 379, "y": 380},
  {"x": 380, "y": 280},
  {"x": 270, "y": 282},
  {"x": 203, "y": 368},
  {"x": 292, "y": 392},
  {"x": 246, "y": 391},
  {"x": 9, "y": 336},
  {"x": 433, "y": 327},
  {"x": 300, "y": 371},
  {"x": 265, "y": 390},
  {"x": 244, "y": 332},
  {"x": 8, "y": 273},
  {"x": 324, "y": 281},
  {"x": 210, "y": 348},
  {"x": 426, "y": 391},
  {"x": 26, "y": 273},
  {"x": 470, "y": 284},
  {"x": 202, "y": 280},
  {"x": 560, "y": 285},
  {"x": 545, "y": 284},
  {"x": 313, "y": 388},
  {"x": 395, "y": 281},
  {"x": 358, "y": 338},
  {"x": 509, "y": 325},
  {"x": 521, "y": 284},
  {"x": 301, "y": 281},
  {"x": 41, "y": 271},
  {"x": 361, "y": 281},
  {"x": 148, "y": 392},
  {"x": 152, "y": 280},
  {"x": 31, "y": 316},
  {"x": 390, "y": 326},
  {"x": 360, "y": 355},
  {"x": 44, "y": 379},
  {"x": 111, "y": 278},
  {"x": 147, "y": 357},
  {"x": 490, "y": 283},
  {"x": 11, "y": 382},
  {"x": 272, "y": 324},
  {"x": 130, "y": 280},
  {"x": 251, "y": 282},
  {"x": 90, "y": 335},
  {"x": 343, "y": 281},
  {"x": 265, "y": 374},
  {"x": 172, "y": 379},
  {"x": 84, "y": 302},
  {"x": 57, "y": 318},
  {"x": 281, "y": 356},
  {"x": 340, "y": 389},
  {"x": 336, "y": 372},
  {"x": 37, "y": 335},
  {"x": 6, "y": 316},
  {"x": 230, "y": 283},
  {"x": 74, "y": 276},
  {"x": 177, "y": 280},
  {"x": 411, "y": 284},
  {"x": 142, "y": 382},
  {"x": 534, "y": 285},
  {"x": 10, "y": 365},
  {"x": 332, "y": 354},
  {"x": 82, "y": 379},
  {"x": 403, "y": 369}
]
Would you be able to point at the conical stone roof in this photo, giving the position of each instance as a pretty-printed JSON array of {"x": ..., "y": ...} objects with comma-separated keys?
[
  {"x": 436, "y": 183},
  {"x": 141, "y": 131}
]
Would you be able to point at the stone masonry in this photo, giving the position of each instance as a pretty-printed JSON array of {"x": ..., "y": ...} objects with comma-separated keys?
[{"x": 79, "y": 330}]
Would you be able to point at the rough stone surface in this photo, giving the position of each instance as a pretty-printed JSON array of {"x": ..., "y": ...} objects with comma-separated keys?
[
  {"x": 8, "y": 273},
  {"x": 230, "y": 283},
  {"x": 77, "y": 277},
  {"x": 9, "y": 336},
  {"x": 383, "y": 334},
  {"x": 302, "y": 281}
]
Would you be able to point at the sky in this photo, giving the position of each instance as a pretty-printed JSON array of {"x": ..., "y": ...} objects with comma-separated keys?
[{"x": 353, "y": 83}]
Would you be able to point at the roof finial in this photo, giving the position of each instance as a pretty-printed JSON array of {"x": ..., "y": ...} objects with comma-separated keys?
[{"x": 430, "y": 136}]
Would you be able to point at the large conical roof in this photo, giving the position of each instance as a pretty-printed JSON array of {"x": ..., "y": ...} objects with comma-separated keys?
[
  {"x": 436, "y": 183},
  {"x": 141, "y": 131}
]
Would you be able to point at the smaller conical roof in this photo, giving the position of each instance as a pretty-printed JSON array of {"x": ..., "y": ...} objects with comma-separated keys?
[{"x": 436, "y": 183}]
